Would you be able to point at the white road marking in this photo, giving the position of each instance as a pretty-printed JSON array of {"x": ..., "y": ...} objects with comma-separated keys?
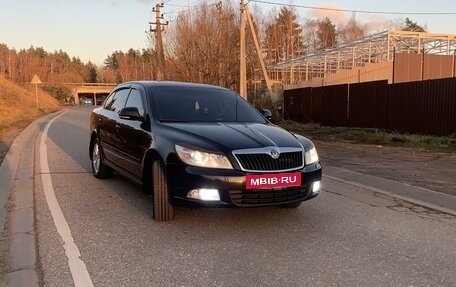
[{"x": 78, "y": 269}]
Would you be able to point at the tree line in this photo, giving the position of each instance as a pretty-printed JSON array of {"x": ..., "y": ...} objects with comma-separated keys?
[
  {"x": 201, "y": 45},
  {"x": 56, "y": 67}
]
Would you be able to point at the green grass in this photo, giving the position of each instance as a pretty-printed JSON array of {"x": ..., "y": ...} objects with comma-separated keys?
[{"x": 372, "y": 136}]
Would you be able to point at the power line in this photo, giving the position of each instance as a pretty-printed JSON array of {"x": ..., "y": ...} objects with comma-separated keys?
[
  {"x": 189, "y": 9},
  {"x": 179, "y": 8},
  {"x": 353, "y": 11}
]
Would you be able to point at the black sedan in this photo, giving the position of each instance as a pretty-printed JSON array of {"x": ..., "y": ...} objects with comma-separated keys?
[{"x": 200, "y": 145}]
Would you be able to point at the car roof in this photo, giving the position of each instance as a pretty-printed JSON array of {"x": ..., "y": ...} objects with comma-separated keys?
[{"x": 156, "y": 84}]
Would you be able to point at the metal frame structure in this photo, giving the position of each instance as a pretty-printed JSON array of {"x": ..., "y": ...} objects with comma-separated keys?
[{"x": 371, "y": 49}]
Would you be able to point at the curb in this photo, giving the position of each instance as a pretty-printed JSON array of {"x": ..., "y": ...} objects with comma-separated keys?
[
  {"x": 417, "y": 195},
  {"x": 19, "y": 165},
  {"x": 17, "y": 184}
]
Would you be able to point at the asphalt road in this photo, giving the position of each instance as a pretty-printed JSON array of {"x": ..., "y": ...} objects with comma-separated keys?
[{"x": 347, "y": 236}]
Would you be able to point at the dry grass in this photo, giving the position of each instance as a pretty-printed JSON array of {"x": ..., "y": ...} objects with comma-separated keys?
[
  {"x": 372, "y": 136},
  {"x": 18, "y": 106}
]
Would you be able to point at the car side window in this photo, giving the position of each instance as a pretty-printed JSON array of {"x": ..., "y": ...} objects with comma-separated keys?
[
  {"x": 108, "y": 102},
  {"x": 119, "y": 100},
  {"x": 134, "y": 100}
]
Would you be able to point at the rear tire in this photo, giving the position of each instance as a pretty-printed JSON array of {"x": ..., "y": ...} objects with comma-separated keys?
[
  {"x": 291, "y": 205},
  {"x": 163, "y": 210},
  {"x": 99, "y": 169}
]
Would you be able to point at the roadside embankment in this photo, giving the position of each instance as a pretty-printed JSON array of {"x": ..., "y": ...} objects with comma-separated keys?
[{"x": 18, "y": 108}]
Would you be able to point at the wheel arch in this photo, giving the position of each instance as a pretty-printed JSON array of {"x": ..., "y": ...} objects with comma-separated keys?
[
  {"x": 150, "y": 156},
  {"x": 93, "y": 136}
]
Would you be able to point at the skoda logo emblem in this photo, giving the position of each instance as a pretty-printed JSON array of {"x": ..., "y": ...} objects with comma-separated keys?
[{"x": 275, "y": 154}]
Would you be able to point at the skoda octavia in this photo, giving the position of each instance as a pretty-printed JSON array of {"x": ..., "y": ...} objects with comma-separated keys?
[{"x": 200, "y": 145}]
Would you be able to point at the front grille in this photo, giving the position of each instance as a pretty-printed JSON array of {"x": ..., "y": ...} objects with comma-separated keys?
[
  {"x": 268, "y": 197},
  {"x": 264, "y": 162}
]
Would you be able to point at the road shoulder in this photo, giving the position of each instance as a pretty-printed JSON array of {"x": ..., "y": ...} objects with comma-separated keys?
[
  {"x": 17, "y": 212},
  {"x": 416, "y": 195}
]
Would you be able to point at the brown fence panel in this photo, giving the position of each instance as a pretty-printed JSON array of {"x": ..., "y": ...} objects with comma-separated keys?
[
  {"x": 402, "y": 106},
  {"x": 427, "y": 107},
  {"x": 318, "y": 95},
  {"x": 298, "y": 104},
  {"x": 368, "y": 105},
  {"x": 407, "y": 67},
  {"x": 439, "y": 107},
  {"x": 289, "y": 104},
  {"x": 437, "y": 66},
  {"x": 423, "y": 107},
  {"x": 329, "y": 105}
]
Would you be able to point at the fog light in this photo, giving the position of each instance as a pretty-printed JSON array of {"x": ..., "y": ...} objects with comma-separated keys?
[
  {"x": 204, "y": 194},
  {"x": 316, "y": 186}
]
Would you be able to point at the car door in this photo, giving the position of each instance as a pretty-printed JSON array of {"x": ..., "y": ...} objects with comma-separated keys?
[
  {"x": 109, "y": 125},
  {"x": 133, "y": 134}
]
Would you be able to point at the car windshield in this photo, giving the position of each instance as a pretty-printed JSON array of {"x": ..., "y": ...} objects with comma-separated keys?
[{"x": 202, "y": 104}]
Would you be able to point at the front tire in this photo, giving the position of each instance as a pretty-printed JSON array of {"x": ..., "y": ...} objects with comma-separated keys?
[
  {"x": 99, "y": 169},
  {"x": 163, "y": 210}
]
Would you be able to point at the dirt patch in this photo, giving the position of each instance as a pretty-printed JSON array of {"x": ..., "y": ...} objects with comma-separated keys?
[
  {"x": 3, "y": 150},
  {"x": 421, "y": 168},
  {"x": 6, "y": 140}
]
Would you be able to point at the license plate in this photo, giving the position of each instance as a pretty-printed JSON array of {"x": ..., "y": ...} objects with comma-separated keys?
[{"x": 270, "y": 181}]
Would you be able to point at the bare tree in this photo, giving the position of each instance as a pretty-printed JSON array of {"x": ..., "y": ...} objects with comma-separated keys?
[
  {"x": 283, "y": 38},
  {"x": 353, "y": 30},
  {"x": 205, "y": 46},
  {"x": 326, "y": 33},
  {"x": 310, "y": 35}
]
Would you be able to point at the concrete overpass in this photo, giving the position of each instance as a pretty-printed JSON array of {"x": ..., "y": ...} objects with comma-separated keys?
[{"x": 94, "y": 92}]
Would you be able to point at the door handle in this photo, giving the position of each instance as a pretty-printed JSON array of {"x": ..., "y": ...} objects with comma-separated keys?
[{"x": 117, "y": 127}]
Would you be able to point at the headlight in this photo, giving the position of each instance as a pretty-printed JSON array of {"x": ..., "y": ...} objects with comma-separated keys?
[
  {"x": 203, "y": 159},
  {"x": 311, "y": 156}
]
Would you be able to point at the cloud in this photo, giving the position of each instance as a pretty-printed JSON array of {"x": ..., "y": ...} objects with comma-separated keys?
[
  {"x": 373, "y": 22},
  {"x": 380, "y": 23},
  {"x": 339, "y": 17},
  {"x": 117, "y": 2}
]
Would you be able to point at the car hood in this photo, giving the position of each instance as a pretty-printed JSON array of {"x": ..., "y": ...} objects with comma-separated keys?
[{"x": 233, "y": 136}]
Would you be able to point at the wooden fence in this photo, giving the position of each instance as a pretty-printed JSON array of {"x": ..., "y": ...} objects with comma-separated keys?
[{"x": 424, "y": 107}]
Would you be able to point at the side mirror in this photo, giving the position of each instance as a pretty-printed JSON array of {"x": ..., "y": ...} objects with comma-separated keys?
[
  {"x": 131, "y": 113},
  {"x": 266, "y": 113}
]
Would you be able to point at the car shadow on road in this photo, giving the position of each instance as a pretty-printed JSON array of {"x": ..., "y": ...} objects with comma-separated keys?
[
  {"x": 78, "y": 146},
  {"x": 213, "y": 220},
  {"x": 117, "y": 187}
]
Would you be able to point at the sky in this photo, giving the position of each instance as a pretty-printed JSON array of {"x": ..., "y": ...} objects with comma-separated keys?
[{"x": 94, "y": 29}]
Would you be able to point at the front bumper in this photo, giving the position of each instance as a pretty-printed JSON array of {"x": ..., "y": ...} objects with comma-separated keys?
[{"x": 231, "y": 185}]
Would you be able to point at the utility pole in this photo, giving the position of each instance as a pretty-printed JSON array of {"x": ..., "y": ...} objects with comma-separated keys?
[
  {"x": 260, "y": 57},
  {"x": 220, "y": 42},
  {"x": 243, "y": 66},
  {"x": 160, "y": 55}
]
